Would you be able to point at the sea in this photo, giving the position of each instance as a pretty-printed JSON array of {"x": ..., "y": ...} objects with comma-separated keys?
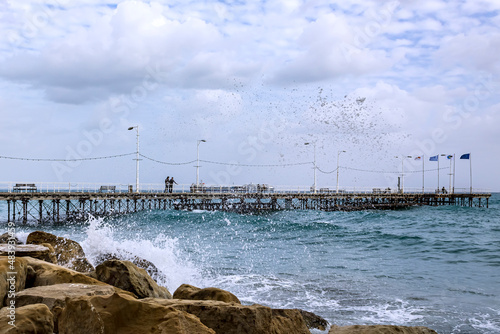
[{"x": 424, "y": 266}]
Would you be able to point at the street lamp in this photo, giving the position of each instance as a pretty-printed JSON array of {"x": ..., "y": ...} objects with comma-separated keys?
[
  {"x": 198, "y": 159},
  {"x": 338, "y": 157},
  {"x": 314, "y": 144},
  {"x": 403, "y": 171},
  {"x": 136, "y": 159}
]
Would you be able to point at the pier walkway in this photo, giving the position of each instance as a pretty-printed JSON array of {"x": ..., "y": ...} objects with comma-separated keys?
[{"x": 72, "y": 202}]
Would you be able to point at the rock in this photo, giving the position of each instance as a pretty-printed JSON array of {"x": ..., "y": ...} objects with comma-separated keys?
[
  {"x": 379, "y": 329},
  {"x": 226, "y": 318},
  {"x": 35, "y": 318},
  {"x": 69, "y": 253},
  {"x": 186, "y": 291},
  {"x": 12, "y": 277},
  {"x": 6, "y": 237},
  {"x": 127, "y": 276},
  {"x": 35, "y": 251},
  {"x": 312, "y": 320},
  {"x": 50, "y": 274},
  {"x": 140, "y": 262},
  {"x": 41, "y": 273},
  {"x": 54, "y": 296},
  {"x": 125, "y": 315}
]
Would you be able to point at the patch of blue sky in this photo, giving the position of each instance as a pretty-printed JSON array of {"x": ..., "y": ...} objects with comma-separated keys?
[{"x": 485, "y": 15}]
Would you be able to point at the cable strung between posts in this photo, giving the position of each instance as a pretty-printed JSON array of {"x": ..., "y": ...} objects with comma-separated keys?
[
  {"x": 386, "y": 172},
  {"x": 64, "y": 160},
  {"x": 168, "y": 163},
  {"x": 333, "y": 171},
  {"x": 244, "y": 165}
]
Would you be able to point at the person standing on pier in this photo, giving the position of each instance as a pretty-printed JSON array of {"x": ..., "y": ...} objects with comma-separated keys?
[
  {"x": 171, "y": 185},
  {"x": 167, "y": 184}
]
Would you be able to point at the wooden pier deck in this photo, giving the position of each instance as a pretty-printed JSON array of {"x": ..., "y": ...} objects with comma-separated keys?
[{"x": 62, "y": 206}]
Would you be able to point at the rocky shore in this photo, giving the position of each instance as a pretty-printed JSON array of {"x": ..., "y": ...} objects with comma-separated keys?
[{"x": 48, "y": 286}]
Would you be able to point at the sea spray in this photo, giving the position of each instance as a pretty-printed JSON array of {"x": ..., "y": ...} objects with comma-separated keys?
[{"x": 174, "y": 266}]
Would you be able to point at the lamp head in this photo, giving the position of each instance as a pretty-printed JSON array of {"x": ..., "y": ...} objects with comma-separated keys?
[{"x": 131, "y": 128}]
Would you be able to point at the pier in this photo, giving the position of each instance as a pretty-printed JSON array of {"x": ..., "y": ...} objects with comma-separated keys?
[{"x": 48, "y": 203}]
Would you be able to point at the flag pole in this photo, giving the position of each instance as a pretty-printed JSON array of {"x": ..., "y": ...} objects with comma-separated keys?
[
  {"x": 423, "y": 174},
  {"x": 449, "y": 190},
  {"x": 470, "y": 169},
  {"x": 454, "y": 160},
  {"x": 438, "y": 173}
]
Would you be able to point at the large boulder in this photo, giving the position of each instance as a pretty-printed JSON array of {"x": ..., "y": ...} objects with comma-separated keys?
[
  {"x": 41, "y": 252},
  {"x": 149, "y": 266},
  {"x": 68, "y": 253},
  {"x": 54, "y": 296},
  {"x": 13, "y": 275},
  {"x": 49, "y": 274},
  {"x": 186, "y": 291},
  {"x": 35, "y": 318},
  {"x": 122, "y": 314},
  {"x": 379, "y": 329},
  {"x": 127, "y": 276},
  {"x": 232, "y": 318}
]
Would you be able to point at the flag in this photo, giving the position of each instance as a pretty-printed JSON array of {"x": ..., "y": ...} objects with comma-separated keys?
[
  {"x": 449, "y": 156},
  {"x": 465, "y": 156},
  {"x": 434, "y": 158},
  {"x": 418, "y": 158}
]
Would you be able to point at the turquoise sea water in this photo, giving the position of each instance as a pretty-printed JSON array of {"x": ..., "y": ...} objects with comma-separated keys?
[{"x": 427, "y": 266}]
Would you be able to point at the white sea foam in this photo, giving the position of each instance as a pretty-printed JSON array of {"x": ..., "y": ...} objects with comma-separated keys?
[
  {"x": 101, "y": 239},
  {"x": 397, "y": 312},
  {"x": 486, "y": 322}
]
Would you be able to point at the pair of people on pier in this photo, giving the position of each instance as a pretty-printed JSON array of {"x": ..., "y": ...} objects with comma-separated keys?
[{"x": 169, "y": 184}]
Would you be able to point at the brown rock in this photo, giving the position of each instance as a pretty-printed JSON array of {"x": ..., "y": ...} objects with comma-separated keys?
[
  {"x": 312, "y": 320},
  {"x": 69, "y": 253},
  {"x": 379, "y": 329},
  {"x": 12, "y": 277},
  {"x": 127, "y": 276},
  {"x": 54, "y": 296},
  {"x": 140, "y": 262},
  {"x": 186, "y": 291},
  {"x": 122, "y": 314},
  {"x": 35, "y": 251},
  {"x": 41, "y": 273},
  {"x": 6, "y": 237},
  {"x": 225, "y": 318},
  {"x": 35, "y": 318},
  {"x": 50, "y": 274}
]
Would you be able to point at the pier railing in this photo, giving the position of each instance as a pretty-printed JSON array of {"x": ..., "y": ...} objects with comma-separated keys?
[{"x": 85, "y": 187}]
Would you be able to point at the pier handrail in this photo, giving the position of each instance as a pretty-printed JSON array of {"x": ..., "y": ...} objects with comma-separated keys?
[{"x": 85, "y": 187}]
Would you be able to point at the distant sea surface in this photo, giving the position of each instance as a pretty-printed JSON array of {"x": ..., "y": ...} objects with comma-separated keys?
[{"x": 426, "y": 266}]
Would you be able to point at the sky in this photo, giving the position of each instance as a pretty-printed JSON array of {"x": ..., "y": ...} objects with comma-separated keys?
[{"x": 274, "y": 88}]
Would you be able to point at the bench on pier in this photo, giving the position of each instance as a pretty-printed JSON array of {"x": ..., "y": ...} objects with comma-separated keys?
[
  {"x": 24, "y": 187},
  {"x": 107, "y": 189}
]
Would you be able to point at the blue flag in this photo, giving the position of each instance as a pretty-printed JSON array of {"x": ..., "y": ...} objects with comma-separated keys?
[
  {"x": 465, "y": 156},
  {"x": 435, "y": 158},
  {"x": 449, "y": 157}
]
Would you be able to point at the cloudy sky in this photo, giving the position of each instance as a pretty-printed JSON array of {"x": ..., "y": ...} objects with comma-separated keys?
[{"x": 256, "y": 80}]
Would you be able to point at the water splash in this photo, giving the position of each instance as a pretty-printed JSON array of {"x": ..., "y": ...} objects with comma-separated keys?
[{"x": 102, "y": 238}]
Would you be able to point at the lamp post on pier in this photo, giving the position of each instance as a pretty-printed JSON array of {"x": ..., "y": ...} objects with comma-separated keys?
[
  {"x": 314, "y": 186},
  {"x": 403, "y": 158},
  {"x": 198, "y": 160},
  {"x": 136, "y": 159},
  {"x": 338, "y": 157}
]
